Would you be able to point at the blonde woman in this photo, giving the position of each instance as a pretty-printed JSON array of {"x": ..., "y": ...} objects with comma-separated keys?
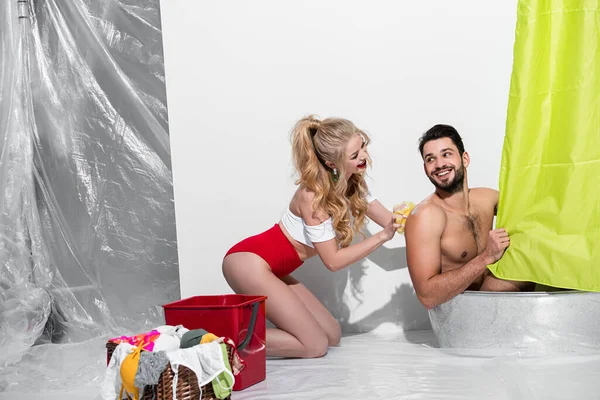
[{"x": 323, "y": 217}]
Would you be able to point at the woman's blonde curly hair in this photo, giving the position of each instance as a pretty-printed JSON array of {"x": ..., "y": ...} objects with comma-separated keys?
[{"x": 313, "y": 143}]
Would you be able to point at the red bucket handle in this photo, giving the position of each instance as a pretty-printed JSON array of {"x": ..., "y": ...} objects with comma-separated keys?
[{"x": 250, "y": 331}]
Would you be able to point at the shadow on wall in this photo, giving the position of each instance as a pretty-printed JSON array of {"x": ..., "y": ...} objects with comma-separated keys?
[{"x": 402, "y": 309}]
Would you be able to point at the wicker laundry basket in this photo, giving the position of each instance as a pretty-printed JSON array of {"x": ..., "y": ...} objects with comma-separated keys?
[{"x": 187, "y": 383}]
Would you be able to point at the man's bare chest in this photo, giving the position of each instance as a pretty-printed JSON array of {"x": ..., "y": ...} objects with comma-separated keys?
[{"x": 464, "y": 237}]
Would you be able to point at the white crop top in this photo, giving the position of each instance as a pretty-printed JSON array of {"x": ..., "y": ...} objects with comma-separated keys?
[{"x": 306, "y": 234}]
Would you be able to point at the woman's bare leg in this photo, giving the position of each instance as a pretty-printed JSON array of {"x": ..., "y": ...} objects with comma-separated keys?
[
  {"x": 298, "y": 333},
  {"x": 329, "y": 325}
]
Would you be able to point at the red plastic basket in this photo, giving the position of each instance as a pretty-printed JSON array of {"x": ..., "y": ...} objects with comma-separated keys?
[{"x": 239, "y": 317}]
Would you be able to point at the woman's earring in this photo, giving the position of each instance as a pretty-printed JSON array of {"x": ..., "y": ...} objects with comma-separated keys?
[{"x": 334, "y": 175}]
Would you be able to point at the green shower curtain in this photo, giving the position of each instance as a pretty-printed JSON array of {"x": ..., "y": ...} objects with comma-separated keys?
[{"x": 550, "y": 171}]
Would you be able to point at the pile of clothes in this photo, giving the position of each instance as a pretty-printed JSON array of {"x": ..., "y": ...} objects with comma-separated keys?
[{"x": 138, "y": 361}]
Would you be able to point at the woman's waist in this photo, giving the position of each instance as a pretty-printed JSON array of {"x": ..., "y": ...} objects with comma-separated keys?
[{"x": 304, "y": 251}]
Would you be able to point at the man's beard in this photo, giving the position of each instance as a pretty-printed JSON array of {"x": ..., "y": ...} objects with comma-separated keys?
[{"x": 455, "y": 185}]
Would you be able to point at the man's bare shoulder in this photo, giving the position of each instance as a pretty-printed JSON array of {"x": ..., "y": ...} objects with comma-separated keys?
[
  {"x": 484, "y": 192},
  {"x": 483, "y": 195},
  {"x": 426, "y": 214}
]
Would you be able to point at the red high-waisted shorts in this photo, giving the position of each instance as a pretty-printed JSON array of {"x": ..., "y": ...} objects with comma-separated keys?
[{"x": 273, "y": 247}]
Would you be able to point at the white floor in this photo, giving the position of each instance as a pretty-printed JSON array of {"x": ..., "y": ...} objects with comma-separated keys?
[{"x": 366, "y": 366}]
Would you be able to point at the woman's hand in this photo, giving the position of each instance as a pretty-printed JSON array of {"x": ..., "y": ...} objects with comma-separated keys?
[{"x": 390, "y": 228}]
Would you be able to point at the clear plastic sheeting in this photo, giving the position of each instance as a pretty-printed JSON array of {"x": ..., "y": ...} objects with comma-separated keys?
[
  {"x": 56, "y": 371},
  {"x": 87, "y": 223},
  {"x": 409, "y": 366},
  {"x": 375, "y": 365}
]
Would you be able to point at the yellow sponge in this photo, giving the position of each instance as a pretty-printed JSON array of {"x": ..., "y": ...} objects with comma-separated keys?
[{"x": 403, "y": 210}]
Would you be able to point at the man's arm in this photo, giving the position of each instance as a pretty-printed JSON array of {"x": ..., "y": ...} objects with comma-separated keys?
[
  {"x": 494, "y": 195},
  {"x": 423, "y": 232}
]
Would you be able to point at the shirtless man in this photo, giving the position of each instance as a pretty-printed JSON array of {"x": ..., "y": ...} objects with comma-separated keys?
[{"x": 449, "y": 235}]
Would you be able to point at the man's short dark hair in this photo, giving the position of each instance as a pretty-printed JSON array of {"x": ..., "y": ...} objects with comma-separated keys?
[{"x": 441, "y": 131}]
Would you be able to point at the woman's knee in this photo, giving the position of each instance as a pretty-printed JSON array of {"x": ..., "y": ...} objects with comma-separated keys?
[
  {"x": 317, "y": 347},
  {"x": 334, "y": 335}
]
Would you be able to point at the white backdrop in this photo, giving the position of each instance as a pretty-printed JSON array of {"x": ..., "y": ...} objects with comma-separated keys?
[{"x": 239, "y": 74}]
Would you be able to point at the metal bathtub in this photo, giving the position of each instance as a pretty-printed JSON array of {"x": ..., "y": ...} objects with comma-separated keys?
[{"x": 556, "y": 321}]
